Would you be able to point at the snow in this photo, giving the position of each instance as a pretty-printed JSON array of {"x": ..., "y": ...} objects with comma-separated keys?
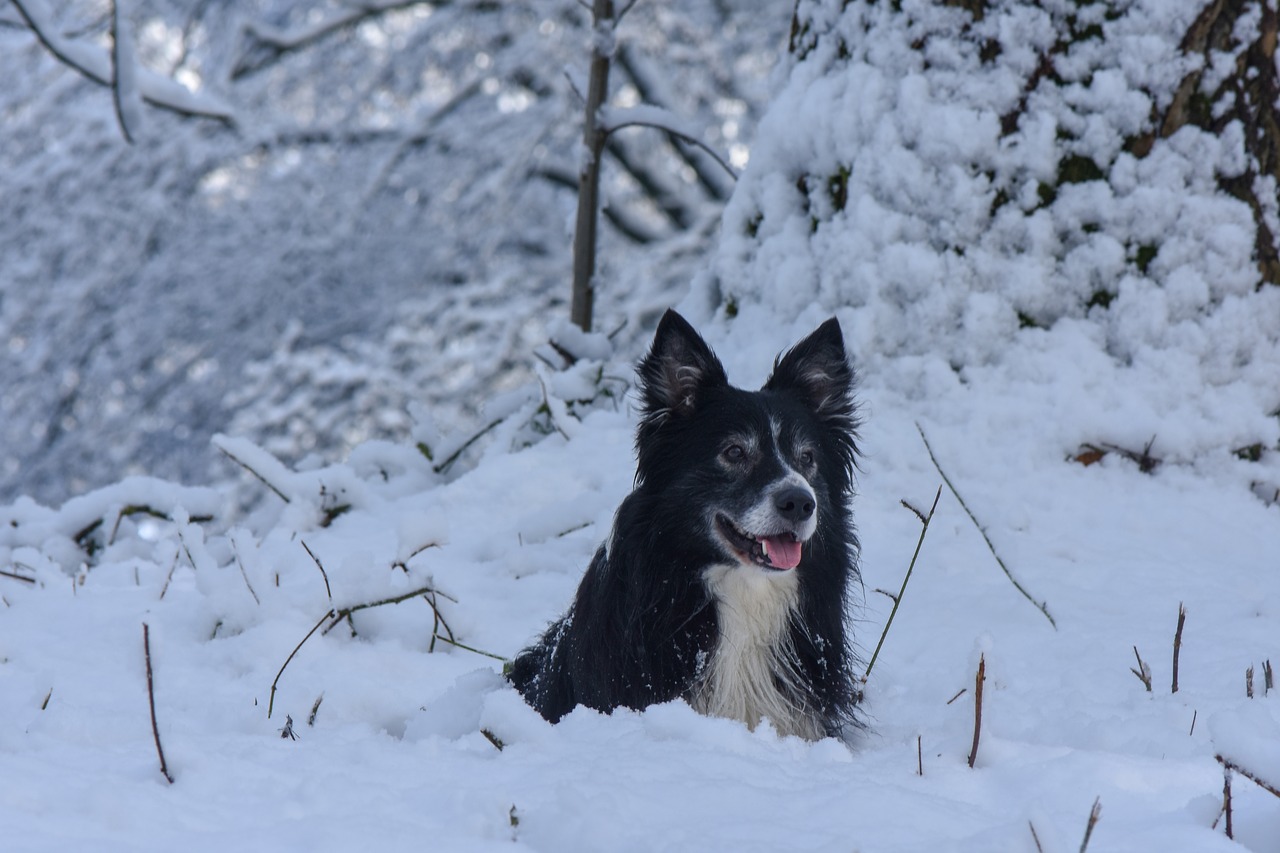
[{"x": 466, "y": 543}]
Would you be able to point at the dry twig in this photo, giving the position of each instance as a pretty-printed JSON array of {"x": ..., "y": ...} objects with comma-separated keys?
[
  {"x": 1043, "y": 607},
  {"x": 1252, "y": 777},
  {"x": 328, "y": 590},
  {"x": 271, "y": 703},
  {"x": 1094, "y": 814},
  {"x": 924, "y": 528},
  {"x": 151, "y": 699}
]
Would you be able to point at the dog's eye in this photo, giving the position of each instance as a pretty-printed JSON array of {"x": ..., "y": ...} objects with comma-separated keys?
[
  {"x": 734, "y": 453},
  {"x": 806, "y": 458}
]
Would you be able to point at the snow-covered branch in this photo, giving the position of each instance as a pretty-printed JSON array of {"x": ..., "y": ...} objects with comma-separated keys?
[
  {"x": 96, "y": 64},
  {"x": 124, "y": 75}
]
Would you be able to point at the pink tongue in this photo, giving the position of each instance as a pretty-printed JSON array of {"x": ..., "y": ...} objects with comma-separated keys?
[{"x": 784, "y": 552}]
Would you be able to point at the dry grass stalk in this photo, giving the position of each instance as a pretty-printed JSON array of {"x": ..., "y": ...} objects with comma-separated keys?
[{"x": 1248, "y": 682}]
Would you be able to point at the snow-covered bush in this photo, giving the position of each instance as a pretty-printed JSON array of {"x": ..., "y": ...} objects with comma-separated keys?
[{"x": 1025, "y": 191}]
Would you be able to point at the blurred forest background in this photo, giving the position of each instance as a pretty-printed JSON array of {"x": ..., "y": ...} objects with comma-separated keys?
[{"x": 327, "y": 212}]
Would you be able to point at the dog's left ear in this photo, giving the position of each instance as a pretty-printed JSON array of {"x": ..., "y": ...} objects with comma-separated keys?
[{"x": 817, "y": 369}]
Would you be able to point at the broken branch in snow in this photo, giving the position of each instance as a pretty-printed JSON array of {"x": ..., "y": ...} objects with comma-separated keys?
[
  {"x": 1177, "y": 643},
  {"x": 924, "y": 528},
  {"x": 1143, "y": 671},
  {"x": 1043, "y": 607},
  {"x": 17, "y": 576},
  {"x": 1035, "y": 837},
  {"x": 151, "y": 699},
  {"x": 1226, "y": 800},
  {"x": 271, "y": 702},
  {"x": 977, "y": 707},
  {"x": 1094, "y": 814}
]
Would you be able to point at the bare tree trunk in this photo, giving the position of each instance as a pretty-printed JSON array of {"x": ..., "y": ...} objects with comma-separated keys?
[{"x": 594, "y": 135}]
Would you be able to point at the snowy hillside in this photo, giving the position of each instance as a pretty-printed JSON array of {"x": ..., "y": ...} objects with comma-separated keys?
[{"x": 323, "y": 669}]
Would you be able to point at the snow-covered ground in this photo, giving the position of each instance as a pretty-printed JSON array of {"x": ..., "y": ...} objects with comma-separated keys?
[
  {"x": 1007, "y": 336},
  {"x": 396, "y": 750}
]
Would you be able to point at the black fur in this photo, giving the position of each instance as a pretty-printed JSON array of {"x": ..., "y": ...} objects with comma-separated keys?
[{"x": 644, "y": 622}]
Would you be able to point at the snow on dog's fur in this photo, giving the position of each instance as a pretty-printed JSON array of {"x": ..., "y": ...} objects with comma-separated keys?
[{"x": 725, "y": 579}]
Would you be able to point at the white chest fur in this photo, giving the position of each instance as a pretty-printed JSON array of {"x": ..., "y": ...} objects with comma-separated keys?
[{"x": 753, "y": 655}]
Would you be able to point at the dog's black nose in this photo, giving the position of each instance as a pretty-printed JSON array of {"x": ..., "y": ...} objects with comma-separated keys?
[{"x": 794, "y": 503}]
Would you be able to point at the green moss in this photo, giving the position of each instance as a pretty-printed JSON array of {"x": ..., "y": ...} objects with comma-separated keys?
[
  {"x": 1078, "y": 169},
  {"x": 731, "y": 306},
  {"x": 1046, "y": 193},
  {"x": 838, "y": 187},
  {"x": 1026, "y": 321},
  {"x": 1145, "y": 255},
  {"x": 1100, "y": 299}
]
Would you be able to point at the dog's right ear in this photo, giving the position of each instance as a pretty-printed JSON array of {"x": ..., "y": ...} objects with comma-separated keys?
[{"x": 678, "y": 370}]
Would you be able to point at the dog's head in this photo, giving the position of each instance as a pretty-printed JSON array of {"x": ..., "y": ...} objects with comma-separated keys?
[{"x": 757, "y": 472}]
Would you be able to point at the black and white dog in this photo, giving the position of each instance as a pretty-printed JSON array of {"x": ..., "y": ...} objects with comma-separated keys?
[{"x": 725, "y": 579}]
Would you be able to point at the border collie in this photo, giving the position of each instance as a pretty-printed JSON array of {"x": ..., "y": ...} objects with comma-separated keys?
[{"x": 724, "y": 581}]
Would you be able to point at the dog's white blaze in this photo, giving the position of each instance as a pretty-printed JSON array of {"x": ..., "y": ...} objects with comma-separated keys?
[{"x": 754, "y": 608}]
